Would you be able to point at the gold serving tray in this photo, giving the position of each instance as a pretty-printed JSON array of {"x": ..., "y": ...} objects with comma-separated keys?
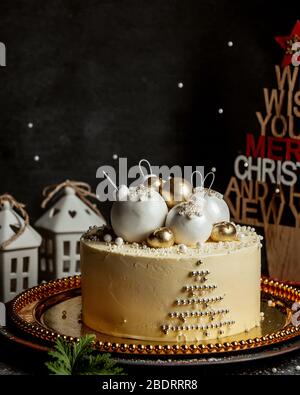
[{"x": 53, "y": 310}]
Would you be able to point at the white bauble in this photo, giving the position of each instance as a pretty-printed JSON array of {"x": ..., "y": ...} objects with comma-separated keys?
[
  {"x": 189, "y": 229},
  {"x": 215, "y": 205},
  {"x": 143, "y": 212}
]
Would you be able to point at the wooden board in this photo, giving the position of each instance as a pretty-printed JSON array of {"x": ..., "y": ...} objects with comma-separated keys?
[{"x": 283, "y": 251}]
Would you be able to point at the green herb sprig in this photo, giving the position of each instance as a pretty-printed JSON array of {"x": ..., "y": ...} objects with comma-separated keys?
[{"x": 80, "y": 359}]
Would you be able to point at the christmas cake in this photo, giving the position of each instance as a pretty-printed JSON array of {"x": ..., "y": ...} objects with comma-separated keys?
[{"x": 184, "y": 274}]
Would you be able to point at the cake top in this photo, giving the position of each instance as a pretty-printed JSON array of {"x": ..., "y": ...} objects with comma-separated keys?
[{"x": 246, "y": 237}]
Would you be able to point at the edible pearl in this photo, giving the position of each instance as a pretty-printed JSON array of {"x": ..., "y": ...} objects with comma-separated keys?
[
  {"x": 119, "y": 241},
  {"x": 107, "y": 238},
  {"x": 182, "y": 248}
]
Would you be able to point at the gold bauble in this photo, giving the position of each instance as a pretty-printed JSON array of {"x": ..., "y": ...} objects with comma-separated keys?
[
  {"x": 154, "y": 182},
  {"x": 161, "y": 238},
  {"x": 223, "y": 231},
  {"x": 176, "y": 190}
]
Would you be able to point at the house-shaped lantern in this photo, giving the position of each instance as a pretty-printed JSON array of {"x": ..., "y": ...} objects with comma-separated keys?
[
  {"x": 61, "y": 227},
  {"x": 19, "y": 244}
]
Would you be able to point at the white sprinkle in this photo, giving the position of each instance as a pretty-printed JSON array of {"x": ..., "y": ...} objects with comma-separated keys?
[
  {"x": 36, "y": 158},
  {"x": 213, "y": 169},
  {"x": 180, "y": 85},
  {"x": 115, "y": 156},
  {"x": 30, "y": 125},
  {"x": 277, "y": 190},
  {"x": 297, "y": 368},
  {"x": 246, "y": 164},
  {"x": 274, "y": 370},
  {"x": 119, "y": 241},
  {"x": 182, "y": 248},
  {"x": 230, "y": 44},
  {"x": 262, "y": 314},
  {"x": 220, "y": 110},
  {"x": 107, "y": 238}
]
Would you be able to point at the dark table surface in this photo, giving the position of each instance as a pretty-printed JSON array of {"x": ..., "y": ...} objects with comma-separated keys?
[{"x": 16, "y": 359}]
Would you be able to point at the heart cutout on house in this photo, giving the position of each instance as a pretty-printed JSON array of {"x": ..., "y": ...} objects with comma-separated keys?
[{"x": 72, "y": 213}]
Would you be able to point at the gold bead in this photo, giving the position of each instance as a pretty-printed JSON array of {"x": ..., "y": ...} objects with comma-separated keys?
[
  {"x": 123, "y": 347},
  {"x": 223, "y": 231},
  {"x": 161, "y": 238},
  {"x": 176, "y": 190},
  {"x": 158, "y": 348},
  {"x": 167, "y": 348},
  {"x": 184, "y": 348},
  {"x": 175, "y": 348},
  {"x": 140, "y": 348},
  {"x": 149, "y": 348}
]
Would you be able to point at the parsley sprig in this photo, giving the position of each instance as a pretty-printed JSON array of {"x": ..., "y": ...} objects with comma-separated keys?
[{"x": 80, "y": 358}]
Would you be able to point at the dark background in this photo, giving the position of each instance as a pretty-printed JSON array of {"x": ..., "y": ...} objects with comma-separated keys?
[{"x": 100, "y": 77}]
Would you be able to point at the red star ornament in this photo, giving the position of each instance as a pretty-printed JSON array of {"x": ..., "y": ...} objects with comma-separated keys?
[{"x": 286, "y": 42}]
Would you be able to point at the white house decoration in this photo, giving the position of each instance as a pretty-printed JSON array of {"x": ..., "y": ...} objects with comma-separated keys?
[
  {"x": 2, "y": 314},
  {"x": 62, "y": 225},
  {"x": 19, "y": 244}
]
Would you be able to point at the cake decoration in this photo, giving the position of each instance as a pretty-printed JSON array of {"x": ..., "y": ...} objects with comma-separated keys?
[
  {"x": 182, "y": 248},
  {"x": 246, "y": 237},
  {"x": 151, "y": 180},
  {"x": 189, "y": 223},
  {"x": 137, "y": 211},
  {"x": 107, "y": 238},
  {"x": 97, "y": 233},
  {"x": 224, "y": 231},
  {"x": 192, "y": 221},
  {"x": 161, "y": 238},
  {"x": 143, "y": 212},
  {"x": 140, "y": 211},
  {"x": 119, "y": 241},
  {"x": 176, "y": 190},
  {"x": 122, "y": 192},
  {"x": 215, "y": 205},
  {"x": 154, "y": 182}
]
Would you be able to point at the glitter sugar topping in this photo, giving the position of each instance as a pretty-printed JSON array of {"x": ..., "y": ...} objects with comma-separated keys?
[{"x": 140, "y": 193}]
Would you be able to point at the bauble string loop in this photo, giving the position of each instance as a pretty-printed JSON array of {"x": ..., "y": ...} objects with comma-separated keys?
[{"x": 141, "y": 168}]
